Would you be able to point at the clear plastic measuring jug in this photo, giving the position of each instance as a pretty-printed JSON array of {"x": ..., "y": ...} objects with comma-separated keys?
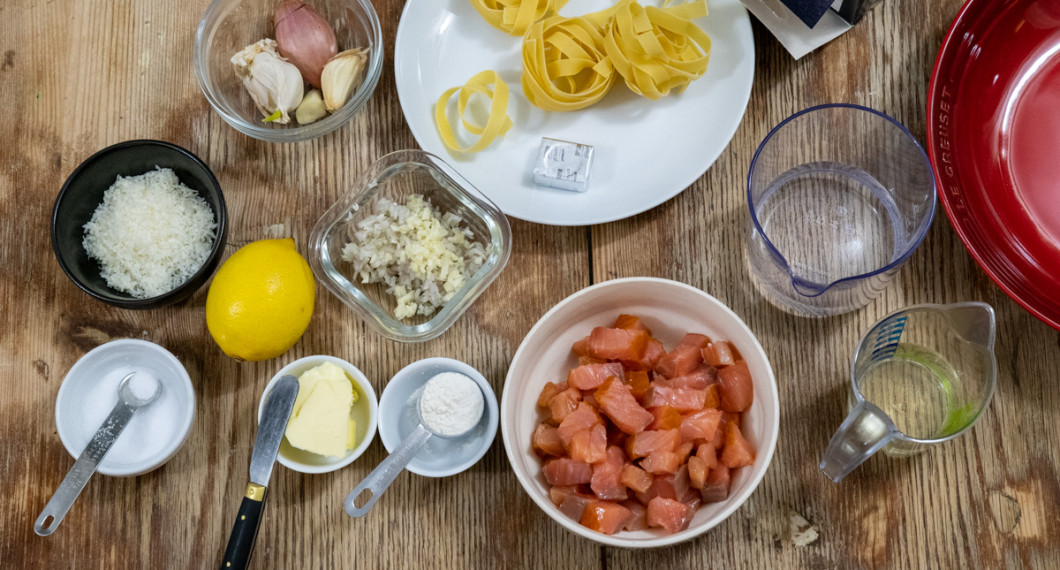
[
  {"x": 839, "y": 197},
  {"x": 920, "y": 376}
]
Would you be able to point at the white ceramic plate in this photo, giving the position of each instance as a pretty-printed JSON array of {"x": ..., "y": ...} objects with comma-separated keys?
[{"x": 646, "y": 152}]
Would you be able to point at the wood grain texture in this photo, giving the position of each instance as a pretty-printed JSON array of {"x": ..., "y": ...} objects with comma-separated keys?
[{"x": 78, "y": 76}]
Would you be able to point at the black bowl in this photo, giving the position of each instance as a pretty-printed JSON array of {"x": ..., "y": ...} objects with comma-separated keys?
[{"x": 83, "y": 192}]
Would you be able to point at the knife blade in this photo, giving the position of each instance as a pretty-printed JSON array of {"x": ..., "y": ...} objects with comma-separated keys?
[{"x": 266, "y": 445}]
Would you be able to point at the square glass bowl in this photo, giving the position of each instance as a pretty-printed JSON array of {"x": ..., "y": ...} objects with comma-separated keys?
[{"x": 395, "y": 177}]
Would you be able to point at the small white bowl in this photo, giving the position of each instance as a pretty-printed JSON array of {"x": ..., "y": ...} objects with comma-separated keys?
[
  {"x": 365, "y": 411},
  {"x": 90, "y": 390},
  {"x": 440, "y": 457},
  {"x": 670, "y": 309}
]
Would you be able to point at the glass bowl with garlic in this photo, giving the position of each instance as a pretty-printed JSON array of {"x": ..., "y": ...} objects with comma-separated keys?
[{"x": 288, "y": 70}]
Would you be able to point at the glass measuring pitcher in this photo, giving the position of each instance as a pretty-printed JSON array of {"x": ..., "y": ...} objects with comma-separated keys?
[
  {"x": 920, "y": 376},
  {"x": 840, "y": 196}
]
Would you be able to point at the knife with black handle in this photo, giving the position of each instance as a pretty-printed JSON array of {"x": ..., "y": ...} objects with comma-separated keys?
[{"x": 266, "y": 445}]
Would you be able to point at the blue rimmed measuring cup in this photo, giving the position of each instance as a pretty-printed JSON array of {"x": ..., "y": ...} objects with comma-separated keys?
[
  {"x": 840, "y": 196},
  {"x": 920, "y": 376}
]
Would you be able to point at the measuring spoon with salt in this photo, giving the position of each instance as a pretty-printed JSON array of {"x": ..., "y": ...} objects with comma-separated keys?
[
  {"x": 449, "y": 407},
  {"x": 131, "y": 397}
]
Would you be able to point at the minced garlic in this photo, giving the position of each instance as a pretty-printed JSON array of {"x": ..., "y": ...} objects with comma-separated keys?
[{"x": 423, "y": 256}]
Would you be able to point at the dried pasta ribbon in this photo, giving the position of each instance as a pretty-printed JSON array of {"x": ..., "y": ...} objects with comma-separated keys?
[
  {"x": 565, "y": 67},
  {"x": 498, "y": 122},
  {"x": 658, "y": 49},
  {"x": 515, "y": 16}
]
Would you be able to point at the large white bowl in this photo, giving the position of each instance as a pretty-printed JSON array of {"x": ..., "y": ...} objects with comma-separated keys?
[{"x": 670, "y": 309}]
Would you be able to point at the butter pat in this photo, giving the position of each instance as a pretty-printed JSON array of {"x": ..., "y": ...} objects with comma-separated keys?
[
  {"x": 320, "y": 421},
  {"x": 564, "y": 165}
]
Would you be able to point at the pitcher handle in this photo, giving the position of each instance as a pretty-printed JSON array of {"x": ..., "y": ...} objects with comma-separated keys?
[{"x": 864, "y": 432}]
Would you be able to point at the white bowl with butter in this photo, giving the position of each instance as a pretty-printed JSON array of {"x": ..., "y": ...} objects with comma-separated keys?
[{"x": 320, "y": 428}]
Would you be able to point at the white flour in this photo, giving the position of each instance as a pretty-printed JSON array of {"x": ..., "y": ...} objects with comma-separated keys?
[{"x": 451, "y": 403}]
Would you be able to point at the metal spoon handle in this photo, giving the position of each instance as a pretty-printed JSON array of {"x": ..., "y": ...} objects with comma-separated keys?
[
  {"x": 83, "y": 468},
  {"x": 382, "y": 476}
]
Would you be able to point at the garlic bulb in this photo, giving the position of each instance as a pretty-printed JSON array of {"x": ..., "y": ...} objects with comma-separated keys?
[
  {"x": 341, "y": 77},
  {"x": 274, "y": 84}
]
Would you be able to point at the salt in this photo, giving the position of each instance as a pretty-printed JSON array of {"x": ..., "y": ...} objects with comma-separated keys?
[
  {"x": 143, "y": 386},
  {"x": 451, "y": 404},
  {"x": 152, "y": 428}
]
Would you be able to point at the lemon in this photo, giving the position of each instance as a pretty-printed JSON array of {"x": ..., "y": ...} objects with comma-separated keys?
[{"x": 261, "y": 300}]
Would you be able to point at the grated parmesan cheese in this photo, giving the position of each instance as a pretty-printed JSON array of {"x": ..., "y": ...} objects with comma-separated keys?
[
  {"x": 423, "y": 256},
  {"x": 150, "y": 234}
]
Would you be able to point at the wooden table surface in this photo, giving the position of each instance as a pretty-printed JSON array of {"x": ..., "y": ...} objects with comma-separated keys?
[{"x": 78, "y": 76}]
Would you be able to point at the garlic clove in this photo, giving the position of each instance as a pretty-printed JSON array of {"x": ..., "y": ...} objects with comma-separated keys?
[
  {"x": 273, "y": 83},
  {"x": 341, "y": 77},
  {"x": 305, "y": 38},
  {"x": 311, "y": 109}
]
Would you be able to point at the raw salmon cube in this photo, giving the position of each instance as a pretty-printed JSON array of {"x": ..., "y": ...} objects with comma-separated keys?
[
  {"x": 640, "y": 515},
  {"x": 671, "y": 515},
  {"x": 583, "y": 360},
  {"x": 584, "y": 417},
  {"x": 700, "y": 425},
  {"x": 718, "y": 353},
  {"x": 703, "y": 376},
  {"x": 648, "y": 441},
  {"x": 550, "y": 390},
  {"x": 618, "y": 404},
  {"x": 630, "y": 322},
  {"x": 737, "y": 452},
  {"x": 591, "y": 376},
  {"x": 708, "y": 453},
  {"x": 636, "y": 478},
  {"x": 574, "y": 504},
  {"x": 684, "y": 450},
  {"x": 684, "y": 358},
  {"x": 713, "y": 400},
  {"x": 661, "y": 462},
  {"x": 666, "y": 417},
  {"x": 589, "y": 445},
  {"x": 617, "y": 344},
  {"x": 565, "y": 472},
  {"x": 676, "y": 485},
  {"x": 697, "y": 471},
  {"x": 557, "y": 494},
  {"x": 607, "y": 476},
  {"x": 638, "y": 382},
  {"x": 564, "y": 403},
  {"x": 605, "y": 516},
  {"x": 716, "y": 488},
  {"x": 683, "y": 399},
  {"x": 735, "y": 387},
  {"x": 545, "y": 441},
  {"x": 581, "y": 347},
  {"x": 653, "y": 352}
]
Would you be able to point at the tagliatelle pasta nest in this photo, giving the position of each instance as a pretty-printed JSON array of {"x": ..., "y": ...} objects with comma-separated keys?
[
  {"x": 658, "y": 49},
  {"x": 515, "y": 16},
  {"x": 565, "y": 66},
  {"x": 497, "y": 123}
]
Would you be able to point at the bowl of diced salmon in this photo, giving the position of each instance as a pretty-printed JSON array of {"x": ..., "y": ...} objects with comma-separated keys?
[{"x": 640, "y": 412}]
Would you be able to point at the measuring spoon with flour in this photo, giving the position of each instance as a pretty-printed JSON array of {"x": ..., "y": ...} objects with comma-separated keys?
[{"x": 449, "y": 407}]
